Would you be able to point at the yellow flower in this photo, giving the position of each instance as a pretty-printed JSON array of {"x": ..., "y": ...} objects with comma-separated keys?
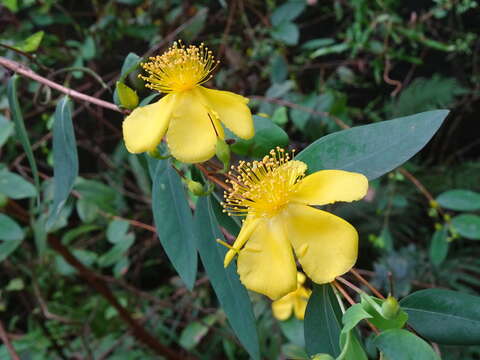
[
  {"x": 275, "y": 195},
  {"x": 296, "y": 301},
  {"x": 190, "y": 115}
]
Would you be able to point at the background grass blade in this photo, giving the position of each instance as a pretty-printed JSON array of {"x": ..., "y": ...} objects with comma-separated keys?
[
  {"x": 65, "y": 157},
  {"x": 174, "y": 221},
  {"x": 20, "y": 129}
]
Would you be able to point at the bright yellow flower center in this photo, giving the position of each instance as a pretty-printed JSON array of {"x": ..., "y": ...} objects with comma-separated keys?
[
  {"x": 263, "y": 188},
  {"x": 180, "y": 68}
]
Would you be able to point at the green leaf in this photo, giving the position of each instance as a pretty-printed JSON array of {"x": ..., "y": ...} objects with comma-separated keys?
[
  {"x": 439, "y": 246},
  {"x": 333, "y": 49},
  {"x": 287, "y": 12},
  {"x": 322, "y": 324},
  {"x": 6, "y": 129},
  {"x": 444, "y": 316},
  {"x": 105, "y": 197},
  {"x": 174, "y": 221},
  {"x": 293, "y": 330},
  {"x": 7, "y": 248},
  {"x": 87, "y": 210},
  {"x": 20, "y": 129},
  {"x": 231, "y": 294},
  {"x": 11, "y": 5},
  {"x": 280, "y": 116},
  {"x": 195, "y": 331},
  {"x": 377, "y": 318},
  {"x": 353, "y": 316},
  {"x": 467, "y": 225},
  {"x": 14, "y": 186},
  {"x": 286, "y": 32},
  {"x": 31, "y": 43},
  {"x": 398, "y": 344},
  {"x": 293, "y": 351},
  {"x": 459, "y": 200},
  {"x": 65, "y": 157},
  {"x": 130, "y": 63},
  {"x": 128, "y": 97},
  {"x": 87, "y": 49},
  {"x": 9, "y": 229},
  {"x": 267, "y": 136},
  {"x": 117, "y": 252},
  {"x": 373, "y": 149},
  {"x": 352, "y": 348},
  {"x": 74, "y": 233},
  {"x": 117, "y": 230}
]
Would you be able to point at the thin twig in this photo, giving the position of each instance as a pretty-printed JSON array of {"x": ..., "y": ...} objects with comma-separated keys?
[
  {"x": 367, "y": 284},
  {"x": 8, "y": 344},
  {"x": 99, "y": 285},
  {"x": 350, "y": 285},
  {"x": 27, "y": 72},
  {"x": 352, "y": 302}
]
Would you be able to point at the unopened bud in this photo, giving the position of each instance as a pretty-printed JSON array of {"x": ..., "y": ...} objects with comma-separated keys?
[
  {"x": 128, "y": 97},
  {"x": 390, "y": 308},
  {"x": 223, "y": 153},
  {"x": 322, "y": 357},
  {"x": 434, "y": 204},
  {"x": 3, "y": 200},
  {"x": 195, "y": 187}
]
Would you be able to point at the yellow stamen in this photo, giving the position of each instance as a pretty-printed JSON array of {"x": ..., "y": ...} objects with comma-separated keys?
[
  {"x": 227, "y": 245},
  {"x": 263, "y": 187},
  {"x": 180, "y": 68}
]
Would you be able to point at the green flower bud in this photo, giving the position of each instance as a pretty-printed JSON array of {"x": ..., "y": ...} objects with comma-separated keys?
[
  {"x": 322, "y": 357},
  {"x": 223, "y": 153},
  {"x": 156, "y": 154},
  {"x": 3, "y": 200},
  {"x": 128, "y": 97},
  {"x": 195, "y": 188},
  {"x": 390, "y": 308}
]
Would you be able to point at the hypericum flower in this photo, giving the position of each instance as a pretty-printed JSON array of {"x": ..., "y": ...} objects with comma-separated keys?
[
  {"x": 295, "y": 301},
  {"x": 190, "y": 114},
  {"x": 275, "y": 195}
]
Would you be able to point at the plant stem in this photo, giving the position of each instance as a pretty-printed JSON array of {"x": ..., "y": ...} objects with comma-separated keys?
[
  {"x": 99, "y": 285},
  {"x": 8, "y": 344},
  {"x": 366, "y": 283},
  {"x": 27, "y": 72}
]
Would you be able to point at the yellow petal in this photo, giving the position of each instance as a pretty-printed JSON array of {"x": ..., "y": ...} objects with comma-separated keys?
[
  {"x": 328, "y": 186},
  {"x": 326, "y": 245},
  {"x": 300, "y": 278},
  {"x": 144, "y": 128},
  {"x": 282, "y": 308},
  {"x": 299, "y": 307},
  {"x": 232, "y": 110},
  {"x": 266, "y": 264},
  {"x": 191, "y": 135},
  {"x": 248, "y": 226}
]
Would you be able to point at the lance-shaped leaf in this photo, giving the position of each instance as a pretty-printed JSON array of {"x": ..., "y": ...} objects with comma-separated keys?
[
  {"x": 65, "y": 157},
  {"x": 399, "y": 344},
  {"x": 322, "y": 322},
  {"x": 230, "y": 292},
  {"x": 373, "y": 149},
  {"x": 20, "y": 129},
  {"x": 174, "y": 221},
  {"x": 444, "y": 316}
]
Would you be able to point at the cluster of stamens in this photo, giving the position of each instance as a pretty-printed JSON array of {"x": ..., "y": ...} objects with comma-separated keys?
[
  {"x": 263, "y": 187},
  {"x": 180, "y": 68}
]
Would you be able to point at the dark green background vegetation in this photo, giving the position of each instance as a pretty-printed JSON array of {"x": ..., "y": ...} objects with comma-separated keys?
[{"x": 311, "y": 67}]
